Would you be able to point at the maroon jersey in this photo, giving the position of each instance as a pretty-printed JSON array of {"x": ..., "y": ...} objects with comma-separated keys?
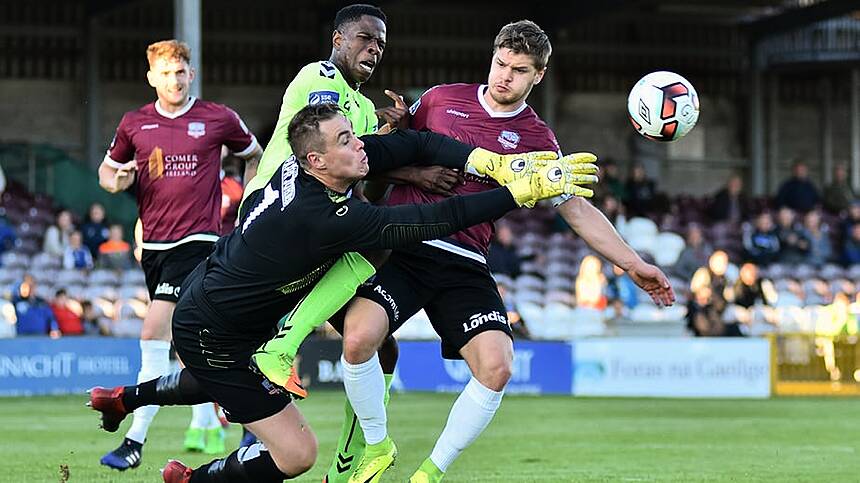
[
  {"x": 178, "y": 165},
  {"x": 460, "y": 111}
]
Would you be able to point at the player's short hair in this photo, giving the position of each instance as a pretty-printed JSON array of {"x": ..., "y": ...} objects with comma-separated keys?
[
  {"x": 172, "y": 49},
  {"x": 352, "y": 13},
  {"x": 525, "y": 37},
  {"x": 304, "y": 133}
]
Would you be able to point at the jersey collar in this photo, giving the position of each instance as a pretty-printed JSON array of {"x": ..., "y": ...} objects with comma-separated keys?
[
  {"x": 173, "y": 115},
  {"x": 493, "y": 113}
]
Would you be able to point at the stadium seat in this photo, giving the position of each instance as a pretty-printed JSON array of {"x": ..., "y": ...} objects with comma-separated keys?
[
  {"x": 586, "y": 323},
  {"x": 45, "y": 260},
  {"x": 667, "y": 247},
  {"x": 71, "y": 277},
  {"x": 831, "y": 271},
  {"x": 14, "y": 259},
  {"x": 134, "y": 276},
  {"x": 103, "y": 277}
]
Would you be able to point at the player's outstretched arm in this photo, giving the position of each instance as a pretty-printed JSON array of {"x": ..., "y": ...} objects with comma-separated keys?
[
  {"x": 359, "y": 226},
  {"x": 593, "y": 227}
]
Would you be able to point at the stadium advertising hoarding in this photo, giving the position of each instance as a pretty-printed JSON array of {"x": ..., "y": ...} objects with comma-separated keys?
[
  {"x": 644, "y": 367},
  {"x": 39, "y": 365},
  {"x": 539, "y": 368}
]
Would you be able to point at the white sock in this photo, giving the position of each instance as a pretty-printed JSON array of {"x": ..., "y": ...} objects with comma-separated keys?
[
  {"x": 201, "y": 415},
  {"x": 154, "y": 362},
  {"x": 469, "y": 416},
  {"x": 214, "y": 422},
  {"x": 365, "y": 387}
]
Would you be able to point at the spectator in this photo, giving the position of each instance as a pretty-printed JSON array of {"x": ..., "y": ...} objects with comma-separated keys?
[
  {"x": 621, "y": 293},
  {"x": 714, "y": 276},
  {"x": 91, "y": 320},
  {"x": 67, "y": 312},
  {"x": 853, "y": 218},
  {"x": 838, "y": 195},
  {"x": 76, "y": 255},
  {"x": 797, "y": 192},
  {"x": 851, "y": 248},
  {"x": 95, "y": 231},
  {"x": 115, "y": 253},
  {"x": 7, "y": 235},
  {"x": 590, "y": 284},
  {"x": 761, "y": 243},
  {"x": 730, "y": 204},
  {"x": 33, "y": 314},
  {"x": 694, "y": 255},
  {"x": 703, "y": 319},
  {"x": 818, "y": 235},
  {"x": 57, "y": 235},
  {"x": 502, "y": 256},
  {"x": 518, "y": 325},
  {"x": 641, "y": 192},
  {"x": 793, "y": 246},
  {"x": 610, "y": 182},
  {"x": 749, "y": 289}
]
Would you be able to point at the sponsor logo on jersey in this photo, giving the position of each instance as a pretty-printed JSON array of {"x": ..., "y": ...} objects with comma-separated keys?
[
  {"x": 196, "y": 129},
  {"x": 147, "y": 127},
  {"x": 166, "y": 288},
  {"x": 509, "y": 139},
  {"x": 327, "y": 69},
  {"x": 342, "y": 210},
  {"x": 395, "y": 310},
  {"x": 457, "y": 113},
  {"x": 479, "y": 319},
  {"x": 323, "y": 97}
]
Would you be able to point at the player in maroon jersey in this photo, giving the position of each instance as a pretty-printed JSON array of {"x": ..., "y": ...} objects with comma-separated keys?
[
  {"x": 171, "y": 150},
  {"x": 449, "y": 277}
]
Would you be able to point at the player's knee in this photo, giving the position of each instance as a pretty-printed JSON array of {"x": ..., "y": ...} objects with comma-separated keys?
[
  {"x": 495, "y": 374},
  {"x": 359, "y": 346},
  {"x": 299, "y": 459}
]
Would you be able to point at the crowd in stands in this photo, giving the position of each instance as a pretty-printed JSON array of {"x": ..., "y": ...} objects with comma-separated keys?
[{"x": 739, "y": 266}]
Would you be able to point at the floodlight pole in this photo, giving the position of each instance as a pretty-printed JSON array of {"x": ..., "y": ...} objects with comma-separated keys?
[
  {"x": 855, "y": 129},
  {"x": 186, "y": 23},
  {"x": 757, "y": 121}
]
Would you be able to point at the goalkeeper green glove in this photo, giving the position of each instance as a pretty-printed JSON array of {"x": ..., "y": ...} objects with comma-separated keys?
[
  {"x": 505, "y": 168},
  {"x": 554, "y": 179}
]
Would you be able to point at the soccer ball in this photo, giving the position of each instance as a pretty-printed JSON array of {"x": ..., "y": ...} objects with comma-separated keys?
[{"x": 663, "y": 106}]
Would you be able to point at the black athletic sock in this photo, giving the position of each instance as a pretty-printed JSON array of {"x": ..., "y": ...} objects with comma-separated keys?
[
  {"x": 178, "y": 388},
  {"x": 249, "y": 464}
]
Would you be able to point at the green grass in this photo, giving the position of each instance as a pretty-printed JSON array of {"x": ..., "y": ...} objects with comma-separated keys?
[{"x": 545, "y": 439}]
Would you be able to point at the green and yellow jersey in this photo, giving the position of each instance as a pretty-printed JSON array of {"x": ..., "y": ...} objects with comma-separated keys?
[{"x": 317, "y": 83}]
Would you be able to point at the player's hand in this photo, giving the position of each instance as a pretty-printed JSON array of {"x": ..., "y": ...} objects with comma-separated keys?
[
  {"x": 124, "y": 176},
  {"x": 436, "y": 179},
  {"x": 652, "y": 280},
  {"x": 396, "y": 116},
  {"x": 505, "y": 168},
  {"x": 554, "y": 179}
]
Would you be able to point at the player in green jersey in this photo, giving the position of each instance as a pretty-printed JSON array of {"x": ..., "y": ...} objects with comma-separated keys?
[{"x": 358, "y": 43}]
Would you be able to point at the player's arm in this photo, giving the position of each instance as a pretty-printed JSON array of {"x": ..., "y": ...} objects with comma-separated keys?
[
  {"x": 593, "y": 227},
  {"x": 359, "y": 226},
  {"x": 251, "y": 164},
  {"x": 115, "y": 177},
  {"x": 116, "y": 172}
]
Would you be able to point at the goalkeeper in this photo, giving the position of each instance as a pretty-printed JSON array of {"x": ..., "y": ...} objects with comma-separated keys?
[{"x": 293, "y": 231}]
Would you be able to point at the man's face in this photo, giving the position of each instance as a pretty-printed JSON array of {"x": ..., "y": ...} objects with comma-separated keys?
[
  {"x": 512, "y": 76},
  {"x": 171, "y": 78},
  {"x": 359, "y": 47},
  {"x": 344, "y": 158}
]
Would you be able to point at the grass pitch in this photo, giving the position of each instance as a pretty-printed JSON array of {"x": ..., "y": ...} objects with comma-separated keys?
[{"x": 532, "y": 439}]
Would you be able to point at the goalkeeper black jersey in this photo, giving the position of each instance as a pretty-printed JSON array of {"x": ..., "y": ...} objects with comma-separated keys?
[{"x": 294, "y": 229}]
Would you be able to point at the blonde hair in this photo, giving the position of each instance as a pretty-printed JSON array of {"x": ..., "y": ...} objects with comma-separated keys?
[{"x": 171, "y": 49}]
